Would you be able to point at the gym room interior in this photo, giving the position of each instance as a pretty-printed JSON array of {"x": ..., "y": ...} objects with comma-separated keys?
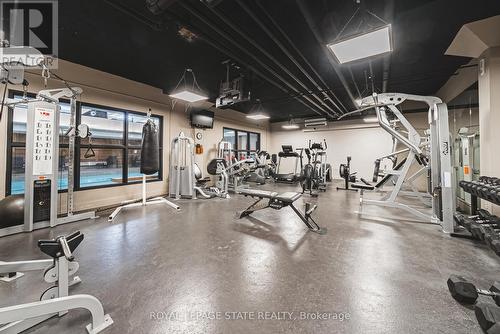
[{"x": 249, "y": 166}]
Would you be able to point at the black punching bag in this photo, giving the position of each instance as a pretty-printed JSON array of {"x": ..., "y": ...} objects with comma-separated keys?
[{"x": 150, "y": 152}]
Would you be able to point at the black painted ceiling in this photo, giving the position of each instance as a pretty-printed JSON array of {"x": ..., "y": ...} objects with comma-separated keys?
[{"x": 278, "y": 44}]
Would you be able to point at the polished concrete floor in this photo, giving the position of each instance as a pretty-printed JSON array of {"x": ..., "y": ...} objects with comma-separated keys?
[{"x": 201, "y": 270}]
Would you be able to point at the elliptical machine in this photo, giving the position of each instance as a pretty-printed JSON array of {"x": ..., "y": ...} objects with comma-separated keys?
[{"x": 309, "y": 176}]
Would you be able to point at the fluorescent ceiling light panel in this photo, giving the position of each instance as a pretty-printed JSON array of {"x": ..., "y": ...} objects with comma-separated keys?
[
  {"x": 290, "y": 126},
  {"x": 258, "y": 117},
  {"x": 188, "y": 96},
  {"x": 362, "y": 46}
]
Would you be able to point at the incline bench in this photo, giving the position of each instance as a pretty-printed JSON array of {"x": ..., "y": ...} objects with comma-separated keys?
[{"x": 279, "y": 201}]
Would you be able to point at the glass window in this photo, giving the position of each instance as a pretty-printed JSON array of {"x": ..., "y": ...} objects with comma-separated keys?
[
  {"x": 230, "y": 136},
  {"x": 107, "y": 126},
  {"x": 243, "y": 141},
  {"x": 117, "y": 154},
  {"x": 19, "y": 119},
  {"x": 134, "y": 166},
  {"x": 18, "y": 169},
  {"x": 17, "y": 175},
  {"x": 242, "y": 144},
  {"x": 105, "y": 168}
]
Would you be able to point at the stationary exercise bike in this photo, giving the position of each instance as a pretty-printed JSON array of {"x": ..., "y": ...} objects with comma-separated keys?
[{"x": 345, "y": 173}]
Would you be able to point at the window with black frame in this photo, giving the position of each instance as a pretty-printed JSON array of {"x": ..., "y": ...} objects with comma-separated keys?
[
  {"x": 246, "y": 142},
  {"x": 116, "y": 141}
]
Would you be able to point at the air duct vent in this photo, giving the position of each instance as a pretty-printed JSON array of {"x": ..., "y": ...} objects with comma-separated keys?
[{"x": 315, "y": 122}]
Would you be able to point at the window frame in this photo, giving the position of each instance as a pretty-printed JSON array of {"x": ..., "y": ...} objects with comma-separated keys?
[
  {"x": 125, "y": 147},
  {"x": 236, "y": 131}
]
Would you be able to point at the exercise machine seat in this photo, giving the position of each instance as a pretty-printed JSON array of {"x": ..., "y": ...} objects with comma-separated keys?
[
  {"x": 288, "y": 197},
  {"x": 258, "y": 193}
]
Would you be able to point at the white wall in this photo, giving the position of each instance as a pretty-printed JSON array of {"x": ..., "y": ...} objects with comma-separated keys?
[{"x": 364, "y": 144}]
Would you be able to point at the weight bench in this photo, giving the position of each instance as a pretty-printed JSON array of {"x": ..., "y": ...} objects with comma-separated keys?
[{"x": 279, "y": 201}]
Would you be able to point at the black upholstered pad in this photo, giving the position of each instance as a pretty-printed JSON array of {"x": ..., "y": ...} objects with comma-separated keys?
[
  {"x": 258, "y": 193},
  {"x": 288, "y": 197},
  {"x": 362, "y": 186}
]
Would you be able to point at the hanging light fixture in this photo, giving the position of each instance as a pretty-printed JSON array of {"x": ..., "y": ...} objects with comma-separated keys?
[
  {"x": 257, "y": 112},
  {"x": 372, "y": 41},
  {"x": 185, "y": 93},
  {"x": 290, "y": 126}
]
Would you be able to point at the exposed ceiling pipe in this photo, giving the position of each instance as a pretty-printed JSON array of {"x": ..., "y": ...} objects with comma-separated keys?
[
  {"x": 292, "y": 59},
  {"x": 354, "y": 81},
  {"x": 224, "y": 50},
  {"x": 157, "y": 26},
  {"x": 159, "y": 6},
  {"x": 386, "y": 67},
  {"x": 276, "y": 62},
  {"x": 207, "y": 40},
  {"x": 314, "y": 29},
  {"x": 269, "y": 69},
  {"x": 304, "y": 59}
]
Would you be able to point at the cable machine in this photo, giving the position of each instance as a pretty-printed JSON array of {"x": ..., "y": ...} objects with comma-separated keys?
[{"x": 42, "y": 159}]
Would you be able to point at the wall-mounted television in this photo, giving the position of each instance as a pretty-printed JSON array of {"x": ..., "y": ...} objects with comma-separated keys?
[{"x": 202, "y": 119}]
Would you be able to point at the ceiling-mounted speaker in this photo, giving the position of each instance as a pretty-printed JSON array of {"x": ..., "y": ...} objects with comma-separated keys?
[{"x": 159, "y": 6}]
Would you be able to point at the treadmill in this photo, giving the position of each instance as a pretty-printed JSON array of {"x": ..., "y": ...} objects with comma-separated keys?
[{"x": 287, "y": 152}]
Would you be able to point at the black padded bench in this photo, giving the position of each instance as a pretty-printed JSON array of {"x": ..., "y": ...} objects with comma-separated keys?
[{"x": 278, "y": 201}]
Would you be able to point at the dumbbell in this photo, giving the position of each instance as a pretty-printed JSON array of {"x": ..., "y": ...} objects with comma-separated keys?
[
  {"x": 476, "y": 225},
  {"x": 465, "y": 292},
  {"x": 490, "y": 180},
  {"x": 487, "y": 191},
  {"x": 488, "y": 317},
  {"x": 479, "y": 230}
]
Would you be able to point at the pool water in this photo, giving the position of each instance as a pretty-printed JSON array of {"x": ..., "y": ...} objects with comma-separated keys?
[{"x": 87, "y": 178}]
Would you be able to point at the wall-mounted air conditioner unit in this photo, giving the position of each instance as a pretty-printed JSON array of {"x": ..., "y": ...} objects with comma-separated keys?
[{"x": 315, "y": 122}]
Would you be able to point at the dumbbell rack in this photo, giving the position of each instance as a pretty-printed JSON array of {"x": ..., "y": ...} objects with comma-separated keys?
[
  {"x": 487, "y": 188},
  {"x": 481, "y": 225}
]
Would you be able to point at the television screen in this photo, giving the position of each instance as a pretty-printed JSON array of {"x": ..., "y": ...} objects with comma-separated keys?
[{"x": 202, "y": 119}]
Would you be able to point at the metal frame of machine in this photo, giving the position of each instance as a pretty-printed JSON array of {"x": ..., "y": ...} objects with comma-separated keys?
[
  {"x": 42, "y": 157},
  {"x": 439, "y": 160},
  {"x": 56, "y": 300}
]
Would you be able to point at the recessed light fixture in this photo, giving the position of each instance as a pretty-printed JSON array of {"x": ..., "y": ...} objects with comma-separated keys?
[
  {"x": 188, "y": 96},
  {"x": 290, "y": 126},
  {"x": 258, "y": 117},
  {"x": 361, "y": 46}
]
